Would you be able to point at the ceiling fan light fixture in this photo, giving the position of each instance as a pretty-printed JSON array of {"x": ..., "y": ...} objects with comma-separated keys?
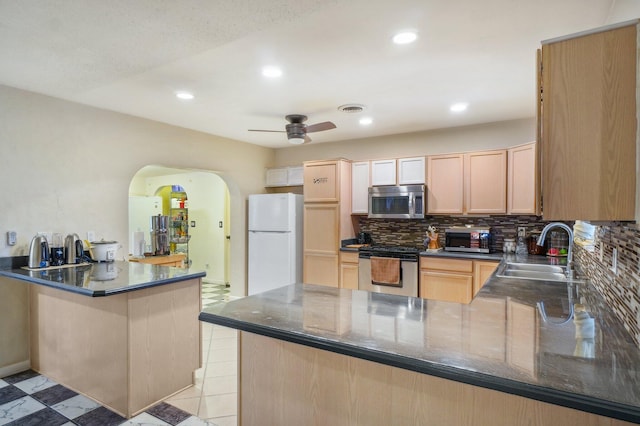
[{"x": 296, "y": 140}]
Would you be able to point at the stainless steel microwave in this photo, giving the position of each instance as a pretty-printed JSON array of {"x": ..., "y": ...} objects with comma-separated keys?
[
  {"x": 467, "y": 239},
  {"x": 397, "y": 202}
]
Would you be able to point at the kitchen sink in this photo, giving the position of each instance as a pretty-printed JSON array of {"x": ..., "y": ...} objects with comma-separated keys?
[{"x": 533, "y": 271}]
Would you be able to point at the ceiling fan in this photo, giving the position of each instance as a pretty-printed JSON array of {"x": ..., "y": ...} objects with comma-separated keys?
[{"x": 297, "y": 130}]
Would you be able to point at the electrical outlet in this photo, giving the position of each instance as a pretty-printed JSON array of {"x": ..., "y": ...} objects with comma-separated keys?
[
  {"x": 614, "y": 261},
  {"x": 522, "y": 231},
  {"x": 91, "y": 236}
]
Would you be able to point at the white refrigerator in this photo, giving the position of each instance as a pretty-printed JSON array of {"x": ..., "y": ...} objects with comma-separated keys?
[{"x": 275, "y": 241}]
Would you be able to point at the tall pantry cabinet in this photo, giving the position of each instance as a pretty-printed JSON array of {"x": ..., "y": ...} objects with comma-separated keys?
[
  {"x": 588, "y": 124},
  {"x": 327, "y": 219}
]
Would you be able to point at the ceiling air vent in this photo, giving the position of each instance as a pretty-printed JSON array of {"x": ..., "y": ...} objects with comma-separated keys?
[{"x": 351, "y": 108}]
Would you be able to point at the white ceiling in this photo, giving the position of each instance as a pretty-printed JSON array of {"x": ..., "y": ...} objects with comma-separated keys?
[{"x": 132, "y": 56}]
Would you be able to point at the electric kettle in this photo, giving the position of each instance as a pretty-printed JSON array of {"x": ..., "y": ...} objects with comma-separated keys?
[
  {"x": 39, "y": 252},
  {"x": 73, "y": 249}
]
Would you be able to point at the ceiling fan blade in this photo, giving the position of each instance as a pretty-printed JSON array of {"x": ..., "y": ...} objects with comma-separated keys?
[
  {"x": 307, "y": 139},
  {"x": 318, "y": 127},
  {"x": 260, "y": 130}
]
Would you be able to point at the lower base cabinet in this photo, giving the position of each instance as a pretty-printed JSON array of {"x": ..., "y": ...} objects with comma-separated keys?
[
  {"x": 453, "y": 280},
  {"x": 349, "y": 270}
]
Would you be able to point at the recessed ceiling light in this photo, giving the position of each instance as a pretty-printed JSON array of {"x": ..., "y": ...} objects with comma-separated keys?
[
  {"x": 184, "y": 95},
  {"x": 405, "y": 37},
  {"x": 271, "y": 72},
  {"x": 365, "y": 121},
  {"x": 459, "y": 107}
]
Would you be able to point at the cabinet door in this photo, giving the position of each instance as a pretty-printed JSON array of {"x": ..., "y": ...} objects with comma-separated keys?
[
  {"x": 295, "y": 176},
  {"x": 349, "y": 275},
  {"x": 589, "y": 126},
  {"x": 383, "y": 172},
  {"x": 481, "y": 272},
  {"x": 445, "y": 184},
  {"x": 360, "y": 187},
  {"x": 522, "y": 190},
  {"x": 446, "y": 286},
  {"x": 486, "y": 182},
  {"x": 411, "y": 171},
  {"x": 322, "y": 182},
  {"x": 321, "y": 269},
  {"x": 276, "y": 177},
  {"x": 321, "y": 244},
  {"x": 321, "y": 228}
]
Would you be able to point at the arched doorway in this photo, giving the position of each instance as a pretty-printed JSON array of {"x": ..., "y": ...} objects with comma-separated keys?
[{"x": 208, "y": 214}]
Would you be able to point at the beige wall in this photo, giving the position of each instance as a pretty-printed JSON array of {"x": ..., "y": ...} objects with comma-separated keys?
[
  {"x": 459, "y": 139},
  {"x": 67, "y": 168}
]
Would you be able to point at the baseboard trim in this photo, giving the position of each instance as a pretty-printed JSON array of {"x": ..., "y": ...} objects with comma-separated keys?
[{"x": 15, "y": 368}]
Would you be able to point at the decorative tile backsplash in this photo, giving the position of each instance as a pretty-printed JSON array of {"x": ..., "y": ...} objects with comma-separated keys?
[
  {"x": 621, "y": 290},
  {"x": 412, "y": 232}
]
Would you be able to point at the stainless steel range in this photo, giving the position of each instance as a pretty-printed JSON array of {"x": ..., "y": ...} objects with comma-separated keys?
[{"x": 389, "y": 269}]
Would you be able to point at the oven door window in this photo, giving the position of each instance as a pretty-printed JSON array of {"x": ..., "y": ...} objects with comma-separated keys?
[{"x": 390, "y": 205}]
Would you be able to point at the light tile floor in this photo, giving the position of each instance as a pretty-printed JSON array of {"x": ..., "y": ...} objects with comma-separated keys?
[
  {"x": 29, "y": 398},
  {"x": 214, "y": 397}
]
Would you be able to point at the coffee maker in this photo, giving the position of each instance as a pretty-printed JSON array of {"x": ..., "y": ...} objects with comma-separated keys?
[{"x": 159, "y": 237}]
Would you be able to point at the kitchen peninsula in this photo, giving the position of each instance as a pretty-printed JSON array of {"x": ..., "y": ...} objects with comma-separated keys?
[
  {"x": 351, "y": 357},
  {"x": 125, "y": 334}
]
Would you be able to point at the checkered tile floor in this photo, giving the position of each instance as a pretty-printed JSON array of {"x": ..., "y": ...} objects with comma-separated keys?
[
  {"x": 212, "y": 293},
  {"x": 29, "y": 398}
]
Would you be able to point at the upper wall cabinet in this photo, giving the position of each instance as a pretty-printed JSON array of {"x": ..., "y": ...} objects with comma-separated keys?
[
  {"x": 485, "y": 175},
  {"x": 522, "y": 189},
  {"x": 360, "y": 187},
  {"x": 588, "y": 125},
  {"x": 445, "y": 184},
  {"x": 411, "y": 171},
  {"x": 383, "y": 172},
  {"x": 471, "y": 183},
  {"x": 284, "y": 176},
  {"x": 327, "y": 181}
]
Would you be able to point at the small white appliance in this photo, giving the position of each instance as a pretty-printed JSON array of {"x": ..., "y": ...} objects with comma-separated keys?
[{"x": 275, "y": 241}]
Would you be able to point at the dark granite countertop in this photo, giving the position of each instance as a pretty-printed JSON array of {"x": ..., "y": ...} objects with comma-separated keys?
[
  {"x": 498, "y": 341},
  {"x": 103, "y": 279}
]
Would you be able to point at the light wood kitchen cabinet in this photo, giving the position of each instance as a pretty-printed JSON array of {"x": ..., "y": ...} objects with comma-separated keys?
[
  {"x": 453, "y": 280},
  {"x": 445, "y": 184},
  {"x": 349, "y": 270},
  {"x": 360, "y": 187},
  {"x": 523, "y": 191},
  {"x": 327, "y": 219},
  {"x": 485, "y": 176},
  {"x": 383, "y": 172},
  {"x": 411, "y": 171},
  {"x": 327, "y": 181},
  {"x": 450, "y": 280},
  {"x": 469, "y": 183},
  {"x": 588, "y": 125},
  {"x": 482, "y": 270}
]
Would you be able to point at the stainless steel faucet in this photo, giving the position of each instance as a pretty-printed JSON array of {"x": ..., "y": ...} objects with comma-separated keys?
[{"x": 543, "y": 235}]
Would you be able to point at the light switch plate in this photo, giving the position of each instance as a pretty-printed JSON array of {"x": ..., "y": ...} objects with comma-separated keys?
[
  {"x": 12, "y": 238},
  {"x": 614, "y": 261}
]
